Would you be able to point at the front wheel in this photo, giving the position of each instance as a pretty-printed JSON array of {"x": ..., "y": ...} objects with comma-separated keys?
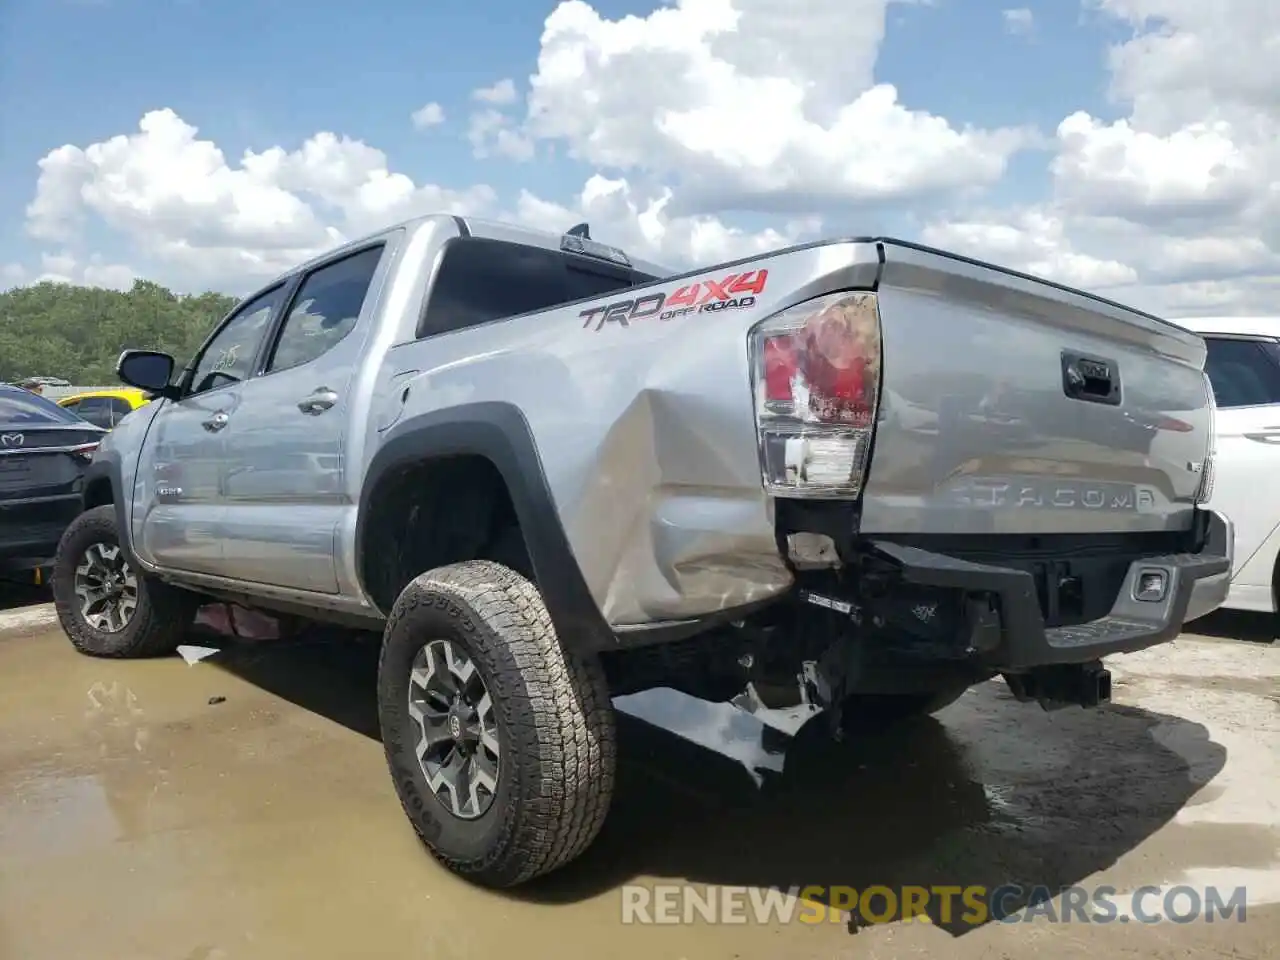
[
  {"x": 107, "y": 607},
  {"x": 501, "y": 743}
]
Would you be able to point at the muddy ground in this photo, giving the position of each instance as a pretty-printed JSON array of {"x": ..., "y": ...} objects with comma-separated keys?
[{"x": 239, "y": 808}]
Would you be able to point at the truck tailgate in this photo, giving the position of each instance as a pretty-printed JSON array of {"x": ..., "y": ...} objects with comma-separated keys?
[{"x": 1013, "y": 405}]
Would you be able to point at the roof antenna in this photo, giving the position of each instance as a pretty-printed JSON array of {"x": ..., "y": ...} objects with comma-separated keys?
[{"x": 581, "y": 230}]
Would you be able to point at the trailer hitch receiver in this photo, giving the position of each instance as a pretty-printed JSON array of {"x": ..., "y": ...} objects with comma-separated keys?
[{"x": 1063, "y": 685}]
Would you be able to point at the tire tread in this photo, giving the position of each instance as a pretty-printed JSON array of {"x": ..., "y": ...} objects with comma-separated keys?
[
  {"x": 569, "y": 751},
  {"x": 160, "y": 621}
]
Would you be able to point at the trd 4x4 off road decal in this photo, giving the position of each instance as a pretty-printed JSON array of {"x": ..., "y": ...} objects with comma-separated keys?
[{"x": 734, "y": 292}]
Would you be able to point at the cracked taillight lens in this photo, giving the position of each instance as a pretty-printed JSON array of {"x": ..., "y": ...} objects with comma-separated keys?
[{"x": 817, "y": 388}]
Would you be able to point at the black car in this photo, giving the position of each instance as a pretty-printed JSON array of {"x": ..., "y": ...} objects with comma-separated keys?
[{"x": 44, "y": 450}]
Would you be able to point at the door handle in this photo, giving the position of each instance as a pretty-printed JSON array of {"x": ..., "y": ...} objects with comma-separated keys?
[
  {"x": 318, "y": 402},
  {"x": 216, "y": 422},
  {"x": 1265, "y": 435}
]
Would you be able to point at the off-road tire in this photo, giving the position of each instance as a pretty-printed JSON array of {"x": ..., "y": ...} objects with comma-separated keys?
[
  {"x": 160, "y": 620},
  {"x": 869, "y": 712},
  {"x": 554, "y": 717}
]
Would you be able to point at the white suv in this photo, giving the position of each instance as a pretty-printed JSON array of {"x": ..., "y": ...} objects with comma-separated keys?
[{"x": 1244, "y": 369}]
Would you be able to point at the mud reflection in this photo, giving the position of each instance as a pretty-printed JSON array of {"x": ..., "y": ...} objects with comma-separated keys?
[{"x": 992, "y": 793}]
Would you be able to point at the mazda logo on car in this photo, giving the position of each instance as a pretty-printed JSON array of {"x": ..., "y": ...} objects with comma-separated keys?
[{"x": 11, "y": 439}]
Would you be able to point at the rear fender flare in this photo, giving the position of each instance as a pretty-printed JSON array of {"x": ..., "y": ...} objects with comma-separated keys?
[{"x": 499, "y": 433}]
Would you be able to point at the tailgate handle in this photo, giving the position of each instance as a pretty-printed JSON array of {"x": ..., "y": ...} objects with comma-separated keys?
[{"x": 1092, "y": 379}]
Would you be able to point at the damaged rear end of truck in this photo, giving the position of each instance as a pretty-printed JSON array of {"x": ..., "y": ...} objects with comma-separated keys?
[{"x": 972, "y": 472}]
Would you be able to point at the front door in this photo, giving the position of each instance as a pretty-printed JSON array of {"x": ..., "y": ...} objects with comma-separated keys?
[
  {"x": 178, "y": 508},
  {"x": 285, "y": 482}
]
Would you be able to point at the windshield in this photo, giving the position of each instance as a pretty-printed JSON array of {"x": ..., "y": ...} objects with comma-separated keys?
[{"x": 18, "y": 408}]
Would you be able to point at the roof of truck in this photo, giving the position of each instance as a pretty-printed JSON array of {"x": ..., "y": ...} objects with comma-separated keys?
[{"x": 473, "y": 226}]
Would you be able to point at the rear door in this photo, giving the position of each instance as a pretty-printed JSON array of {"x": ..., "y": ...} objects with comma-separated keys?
[
  {"x": 285, "y": 444},
  {"x": 1245, "y": 374},
  {"x": 178, "y": 520}
]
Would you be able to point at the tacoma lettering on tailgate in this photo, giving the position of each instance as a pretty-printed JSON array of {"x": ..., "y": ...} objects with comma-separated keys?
[{"x": 733, "y": 292}]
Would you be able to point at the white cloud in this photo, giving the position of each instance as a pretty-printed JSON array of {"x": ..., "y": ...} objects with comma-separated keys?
[
  {"x": 1034, "y": 242},
  {"x": 705, "y": 109},
  {"x": 641, "y": 223},
  {"x": 428, "y": 115},
  {"x": 749, "y": 106},
  {"x": 203, "y": 220},
  {"x": 1018, "y": 20},
  {"x": 1197, "y": 169},
  {"x": 492, "y": 133},
  {"x": 96, "y": 272},
  {"x": 502, "y": 93},
  {"x": 1189, "y": 60},
  {"x": 1182, "y": 192}
]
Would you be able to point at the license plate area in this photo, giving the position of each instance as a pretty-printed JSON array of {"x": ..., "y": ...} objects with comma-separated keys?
[{"x": 15, "y": 468}]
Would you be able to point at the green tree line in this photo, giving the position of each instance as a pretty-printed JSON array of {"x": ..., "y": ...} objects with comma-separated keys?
[{"x": 76, "y": 333}]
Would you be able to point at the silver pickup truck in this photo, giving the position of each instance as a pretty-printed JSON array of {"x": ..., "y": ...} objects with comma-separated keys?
[{"x": 859, "y": 474}]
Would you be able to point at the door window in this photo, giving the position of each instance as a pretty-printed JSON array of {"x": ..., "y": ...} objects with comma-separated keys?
[
  {"x": 326, "y": 309},
  {"x": 228, "y": 357},
  {"x": 1242, "y": 372},
  {"x": 119, "y": 408},
  {"x": 97, "y": 410}
]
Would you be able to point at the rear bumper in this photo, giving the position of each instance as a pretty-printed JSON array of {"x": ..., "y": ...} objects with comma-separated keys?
[
  {"x": 1196, "y": 584},
  {"x": 31, "y": 528}
]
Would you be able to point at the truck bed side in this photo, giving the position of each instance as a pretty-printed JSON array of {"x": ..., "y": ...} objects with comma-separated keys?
[{"x": 640, "y": 407}]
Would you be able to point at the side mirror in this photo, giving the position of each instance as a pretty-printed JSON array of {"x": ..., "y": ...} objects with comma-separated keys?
[{"x": 147, "y": 370}]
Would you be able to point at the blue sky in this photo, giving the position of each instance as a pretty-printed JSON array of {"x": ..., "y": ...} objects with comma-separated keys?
[{"x": 256, "y": 75}]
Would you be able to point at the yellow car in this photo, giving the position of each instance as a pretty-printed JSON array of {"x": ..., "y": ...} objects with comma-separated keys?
[{"x": 104, "y": 408}]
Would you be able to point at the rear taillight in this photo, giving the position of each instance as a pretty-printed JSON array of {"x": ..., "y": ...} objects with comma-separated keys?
[
  {"x": 84, "y": 451},
  {"x": 816, "y": 374}
]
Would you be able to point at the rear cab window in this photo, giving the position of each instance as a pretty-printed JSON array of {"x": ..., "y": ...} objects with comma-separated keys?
[{"x": 479, "y": 280}]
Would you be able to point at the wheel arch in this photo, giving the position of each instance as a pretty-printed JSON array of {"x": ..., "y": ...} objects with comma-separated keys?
[
  {"x": 102, "y": 485},
  {"x": 488, "y": 438}
]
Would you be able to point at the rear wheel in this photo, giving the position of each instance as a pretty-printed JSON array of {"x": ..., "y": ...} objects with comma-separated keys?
[
  {"x": 106, "y": 606},
  {"x": 501, "y": 743}
]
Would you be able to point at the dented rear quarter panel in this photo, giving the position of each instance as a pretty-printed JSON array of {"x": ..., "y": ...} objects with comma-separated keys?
[
  {"x": 645, "y": 426},
  {"x": 641, "y": 413}
]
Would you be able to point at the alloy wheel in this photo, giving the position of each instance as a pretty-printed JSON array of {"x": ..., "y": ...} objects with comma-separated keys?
[
  {"x": 107, "y": 588},
  {"x": 457, "y": 730}
]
